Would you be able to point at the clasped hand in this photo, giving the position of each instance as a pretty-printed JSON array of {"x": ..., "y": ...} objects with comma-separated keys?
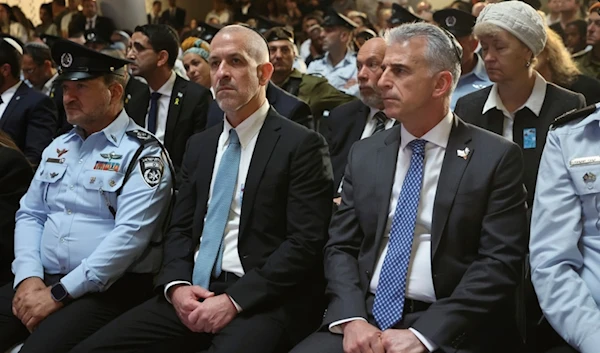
[
  {"x": 362, "y": 337},
  {"x": 200, "y": 310}
]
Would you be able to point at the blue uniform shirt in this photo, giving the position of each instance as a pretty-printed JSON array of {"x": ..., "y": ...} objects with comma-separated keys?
[
  {"x": 64, "y": 225},
  {"x": 565, "y": 232},
  {"x": 339, "y": 75},
  {"x": 471, "y": 82}
]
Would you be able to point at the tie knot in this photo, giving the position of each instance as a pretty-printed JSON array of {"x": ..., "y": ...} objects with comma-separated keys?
[
  {"x": 381, "y": 117},
  {"x": 418, "y": 146},
  {"x": 155, "y": 96},
  {"x": 234, "y": 139}
]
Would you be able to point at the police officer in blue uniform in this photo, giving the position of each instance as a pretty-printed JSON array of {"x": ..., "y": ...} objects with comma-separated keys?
[
  {"x": 88, "y": 231},
  {"x": 473, "y": 77},
  {"x": 565, "y": 233},
  {"x": 338, "y": 65}
]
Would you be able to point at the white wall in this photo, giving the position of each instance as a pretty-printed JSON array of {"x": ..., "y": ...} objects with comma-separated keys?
[{"x": 31, "y": 8}]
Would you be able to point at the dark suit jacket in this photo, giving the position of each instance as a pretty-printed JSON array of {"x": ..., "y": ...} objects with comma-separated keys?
[
  {"x": 345, "y": 125},
  {"x": 56, "y": 94},
  {"x": 160, "y": 19},
  {"x": 557, "y": 102},
  {"x": 588, "y": 86},
  {"x": 177, "y": 21},
  {"x": 30, "y": 119},
  {"x": 478, "y": 238},
  {"x": 287, "y": 105},
  {"x": 187, "y": 113},
  {"x": 103, "y": 24},
  {"x": 285, "y": 213},
  {"x": 15, "y": 176}
]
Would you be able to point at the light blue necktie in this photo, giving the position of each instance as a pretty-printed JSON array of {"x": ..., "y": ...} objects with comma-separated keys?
[
  {"x": 211, "y": 248},
  {"x": 389, "y": 297}
]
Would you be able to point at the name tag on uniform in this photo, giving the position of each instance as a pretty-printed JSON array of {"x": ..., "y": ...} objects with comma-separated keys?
[
  {"x": 584, "y": 161},
  {"x": 55, "y": 160},
  {"x": 529, "y": 138}
]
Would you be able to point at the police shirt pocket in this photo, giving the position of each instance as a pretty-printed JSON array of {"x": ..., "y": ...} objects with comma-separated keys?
[
  {"x": 584, "y": 178},
  {"x": 105, "y": 184},
  {"x": 49, "y": 174}
]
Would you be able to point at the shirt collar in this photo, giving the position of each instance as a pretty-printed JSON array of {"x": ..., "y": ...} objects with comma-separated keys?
[
  {"x": 48, "y": 85},
  {"x": 114, "y": 132},
  {"x": 534, "y": 102},
  {"x": 249, "y": 127},
  {"x": 10, "y": 92},
  {"x": 479, "y": 69},
  {"x": 372, "y": 112},
  {"x": 438, "y": 136},
  {"x": 345, "y": 61},
  {"x": 167, "y": 88}
]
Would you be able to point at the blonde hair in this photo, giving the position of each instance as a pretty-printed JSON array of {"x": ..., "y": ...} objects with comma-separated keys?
[
  {"x": 561, "y": 65},
  {"x": 191, "y": 43}
]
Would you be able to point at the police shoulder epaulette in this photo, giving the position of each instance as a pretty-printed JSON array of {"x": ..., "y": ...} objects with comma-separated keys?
[
  {"x": 572, "y": 115},
  {"x": 142, "y": 136}
]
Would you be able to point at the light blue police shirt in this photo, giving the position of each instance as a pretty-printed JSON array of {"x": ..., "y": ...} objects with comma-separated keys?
[
  {"x": 339, "y": 75},
  {"x": 565, "y": 232},
  {"x": 64, "y": 225},
  {"x": 471, "y": 82}
]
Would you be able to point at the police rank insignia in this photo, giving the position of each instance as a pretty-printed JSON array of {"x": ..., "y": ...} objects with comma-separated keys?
[
  {"x": 152, "y": 170},
  {"x": 142, "y": 135},
  {"x": 60, "y": 152}
]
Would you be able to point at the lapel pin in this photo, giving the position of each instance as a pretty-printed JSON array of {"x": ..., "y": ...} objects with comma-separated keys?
[
  {"x": 464, "y": 154},
  {"x": 589, "y": 178},
  {"x": 179, "y": 94},
  {"x": 127, "y": 98},
  {"x": 176, "y": 101},
  {"x": 92, "y": 180}
]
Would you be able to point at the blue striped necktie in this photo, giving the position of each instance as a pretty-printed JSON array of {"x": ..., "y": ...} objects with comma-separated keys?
[
  {"x": 211, "y": 247},
  {"x": 389, "y": 297}
]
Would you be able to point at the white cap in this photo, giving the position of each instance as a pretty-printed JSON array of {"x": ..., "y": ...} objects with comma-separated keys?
[{"x": 519, "y": 19}]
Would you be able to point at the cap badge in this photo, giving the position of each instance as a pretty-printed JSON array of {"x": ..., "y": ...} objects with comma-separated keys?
[
  {"x": 66, "y": 60},
  {"x": 450, "y": 21}
]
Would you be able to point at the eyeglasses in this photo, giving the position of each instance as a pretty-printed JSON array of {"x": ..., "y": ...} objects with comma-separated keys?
[
  {"x": 29, "y": 71},
  {"x": 136, "y": 48}
]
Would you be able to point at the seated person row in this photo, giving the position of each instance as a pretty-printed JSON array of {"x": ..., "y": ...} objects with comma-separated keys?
[{"x": 453, "y": 291}]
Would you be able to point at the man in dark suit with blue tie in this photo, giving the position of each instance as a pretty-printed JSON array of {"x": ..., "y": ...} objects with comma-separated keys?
[
  {"x": 424, "y": 253},
  {"x": 29, "y": 117},
  {"x": 242, "y": 262}
]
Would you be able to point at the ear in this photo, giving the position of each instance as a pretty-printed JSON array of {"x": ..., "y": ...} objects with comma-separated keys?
[
  {"x": 163, "y": 58},
  {"x": 443, "y": 84},
  {"x": 116, "y": 92},
  {"x": 264, "y": 71},
  {"x": 47, "y": 65},
  {"x": 5, "y": 70}
]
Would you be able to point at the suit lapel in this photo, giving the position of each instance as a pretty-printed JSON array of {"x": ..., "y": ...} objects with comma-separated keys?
[
  {"x": 137, "y": 99},
  {"x": 177, "y": 97},
  {"x": 359, "y": 125},
  {"x": 386, "y": 171},
  {"x": 16, "y": 99},
  {"x": 452, "y": 171},
  {"x": 265, "y": 144}
]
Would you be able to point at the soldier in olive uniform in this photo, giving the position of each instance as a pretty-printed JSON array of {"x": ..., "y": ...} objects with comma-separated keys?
[
  {"x": 315, "y": 91},
  {"x": 589, "y": 61}
]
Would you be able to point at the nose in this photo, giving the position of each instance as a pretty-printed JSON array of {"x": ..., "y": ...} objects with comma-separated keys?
[
  {"x": 384, "y": 82},
  {"x": 362, "y": 73},
  {"x": 222, "y": 72}
]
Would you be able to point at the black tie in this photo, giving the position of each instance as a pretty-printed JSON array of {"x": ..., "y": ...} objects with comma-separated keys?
[
  {"x": 381, "y": 119},
  {"x": 153, "y": 113}
]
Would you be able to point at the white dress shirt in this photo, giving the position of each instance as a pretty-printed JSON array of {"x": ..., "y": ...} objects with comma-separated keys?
[
  {"x": 47, "y": 87},
  {"x": 163, "y": 107},
  {"x": 419, "y": 283},
  {"x": 534, "y": 103},
  {"x": 248, "y": 134},
  {"x": 7, "y": 96},
  {"x": 372, "y": 123},
  {"x": 90, "y": 23}
]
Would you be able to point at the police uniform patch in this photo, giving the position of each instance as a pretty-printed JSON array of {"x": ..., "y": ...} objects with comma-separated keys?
[
  {"x": 152, "y": 169},
  {"x": 142, "y": 135}
]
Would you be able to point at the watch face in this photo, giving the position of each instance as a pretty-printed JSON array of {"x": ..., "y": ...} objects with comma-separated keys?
[{"x": 59, "y": 293}]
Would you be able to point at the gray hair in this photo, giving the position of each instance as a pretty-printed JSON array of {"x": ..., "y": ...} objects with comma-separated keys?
[{"x": 440, "y": 51}]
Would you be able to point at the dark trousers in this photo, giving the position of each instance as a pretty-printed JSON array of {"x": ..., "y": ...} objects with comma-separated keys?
[
  {"x": 155, "y": 327},
  {"x": 62, "y": 330}
]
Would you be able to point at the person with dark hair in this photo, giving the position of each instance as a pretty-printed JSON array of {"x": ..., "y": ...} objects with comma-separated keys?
[
  {"x": 461, "y": 5},
  {"x": 89, "y": 19},
  {"x": 26, "y": 115},
  {"x": 15, "y": 176},
  {"x": 307, "y": 47},
  {"x": 155, "y": 17},
  {"x": 9, "y": 24},
  {"x": 174, "y": 16},
  {"x": 47, "y": 26},
  {"x": 576, "y": 36},
  {"x": 589, "y": 61},
  {"x": 89, "y": 229},
  {"x": 174, "y": 109},
  {"x": 569, "y": 12},
  {"x": 59, "y": 10}
]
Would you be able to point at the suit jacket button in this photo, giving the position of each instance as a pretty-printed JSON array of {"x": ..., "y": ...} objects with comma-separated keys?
[{"x": 244, "y": 257}]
